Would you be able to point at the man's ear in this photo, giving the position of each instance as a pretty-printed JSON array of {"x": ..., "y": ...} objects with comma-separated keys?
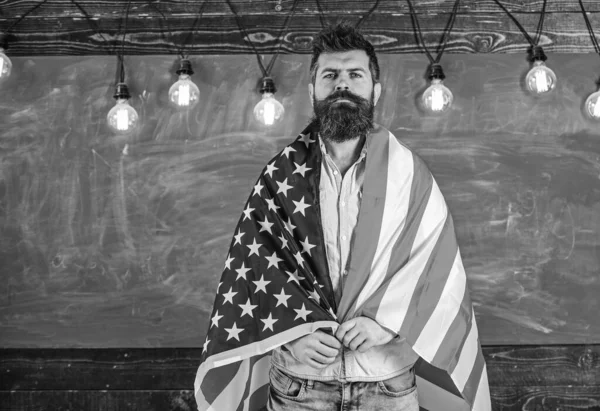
[
  {"x": 376, "y": 93},
  {"x": 311, "y": 93}
]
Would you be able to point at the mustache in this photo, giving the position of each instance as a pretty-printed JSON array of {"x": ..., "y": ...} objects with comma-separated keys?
[{"x": 343, "y": 94}]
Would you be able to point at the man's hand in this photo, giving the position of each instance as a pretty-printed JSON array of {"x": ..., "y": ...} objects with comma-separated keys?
[
  {"x": 362, "y": 333},
  {"x": 317, "y": 349}
]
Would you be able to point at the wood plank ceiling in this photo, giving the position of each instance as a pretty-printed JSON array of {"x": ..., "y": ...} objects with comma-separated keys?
[{"x": 59, "y": 27}]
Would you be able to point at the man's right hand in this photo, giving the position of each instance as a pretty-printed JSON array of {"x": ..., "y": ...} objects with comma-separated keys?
[{"x": 317, "y": 349}]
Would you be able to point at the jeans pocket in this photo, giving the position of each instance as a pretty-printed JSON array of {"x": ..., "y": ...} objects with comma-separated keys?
[
  {"x": 286, "y": 386},
  {"x": 399, "y": 385}
]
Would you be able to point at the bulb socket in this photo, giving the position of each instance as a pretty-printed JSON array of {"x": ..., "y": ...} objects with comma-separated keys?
[
  {"x": 267, "y": 85},
  {"x": 4, "y": 41},
  {"x": 435, "y": 71},
  {"x": 121, "y": 92},
  {"x": 537, "y": 54},
  {"x": 185, "y": 67}
]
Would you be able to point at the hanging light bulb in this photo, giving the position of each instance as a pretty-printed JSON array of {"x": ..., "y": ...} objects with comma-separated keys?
[
  {"x": 184, "y": 93},
  {"x": 592, "y": 106},
  {"x": 540, "y": 79},
  {"x": 268, "y": 110},
  {"x": 437, "y": 98},
  {"x": 5, "y": 63},
  {"x": 122, "y": 118}
]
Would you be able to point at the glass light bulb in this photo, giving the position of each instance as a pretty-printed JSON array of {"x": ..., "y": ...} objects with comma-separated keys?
[
  {"x": 268, "y": 110},
  {"x": 540, "y": 79},
  {"x": 5, "y": 65},
  {"x": 592, "y": 105},
  {"x": 437, "y": 98},
  {"x": 184, "y": 93},
  {"x": 122, "y": 118}
]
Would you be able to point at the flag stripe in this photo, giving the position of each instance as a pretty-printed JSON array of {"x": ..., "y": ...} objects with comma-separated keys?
[
  {"x": 256, "y": 386},
  {"x": 443, "y": 315},
  {"x": 432, "y": 397},
  {"x": 212, "y": 385},
  {"x": 393, "y": 310},
  {"x": 400, "y": 177},
  {"x": 482, "y": 400},
  {"x": 430, "y": 286},
  {"x": 232, "y": 396},
  {"x": 470, "y": 390},
  {"x": 425, "y": 370},
  {"x": 463, "y": 368},
  {"x": 450, "y": 348},
  {"x": 370, "y": 217}
]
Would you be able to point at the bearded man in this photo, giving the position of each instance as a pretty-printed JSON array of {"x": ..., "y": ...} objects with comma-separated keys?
[{"x": 345, "y": 268}]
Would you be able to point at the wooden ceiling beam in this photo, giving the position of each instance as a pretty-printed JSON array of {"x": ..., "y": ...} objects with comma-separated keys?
[{"x": 58, "y": 27}]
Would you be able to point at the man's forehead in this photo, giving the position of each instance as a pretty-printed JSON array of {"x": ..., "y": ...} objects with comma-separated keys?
[{"x": 356, "y": 58}]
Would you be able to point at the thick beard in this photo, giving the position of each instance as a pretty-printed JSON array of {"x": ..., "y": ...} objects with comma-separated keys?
[{"x": 344, "y": 121}]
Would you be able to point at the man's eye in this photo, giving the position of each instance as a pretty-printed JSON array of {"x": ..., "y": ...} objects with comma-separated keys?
[
  {"x": 355, "y": 75},
  {"x": 330, "y": 75}
]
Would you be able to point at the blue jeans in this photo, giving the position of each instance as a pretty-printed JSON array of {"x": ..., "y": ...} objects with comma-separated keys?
[{"x": 288, "y": 393}]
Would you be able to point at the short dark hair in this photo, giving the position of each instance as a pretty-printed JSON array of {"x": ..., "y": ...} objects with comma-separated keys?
[{"x": 339, "y": 38}]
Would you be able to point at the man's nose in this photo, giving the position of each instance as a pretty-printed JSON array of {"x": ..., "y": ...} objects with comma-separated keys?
[{"x": 342, "y": 84}]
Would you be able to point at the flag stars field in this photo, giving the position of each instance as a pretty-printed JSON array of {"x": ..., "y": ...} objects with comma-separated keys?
[
  {"x": 271, "y": 204},
  {"x": 306, "y": 246},
  {"x": 273, "y": 261},
  {"x": 247, "y": 308},
  {"x": 269, "y": 321},
  {"x": 302, "y": 313},
  {"x": 265, "y": 225},
  {"x": 257, "y": 188},
  {"x": 284, "y": 242},
  {"x": 305, "y": 138},
  {"x": 261, "y": 285},
  {"x": 233, "y": 332},
  {"x": 215, "y": 319},
  {"x": 301, "y": 169},
  {"x": 271, "y": 168},
  {"x": 229, "y": 296},
  {"x": 284, "y": 187},
  {"x": 300, "y": 206},
  {"x": 286, "y": 151},
  {"x": 282, "y": 298},
  {"x": 238, "y": 237},
  {"x": 254, "y": 248},
  {"x": 241, "y": 272}
]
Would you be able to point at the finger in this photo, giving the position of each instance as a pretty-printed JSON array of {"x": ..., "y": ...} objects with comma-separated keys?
[
  {"x": 315, "y": 364},
  {"x": 326, "y": 351},
  {"x": 321, "y": 359},
  {"x": 344, "y": 328},
  {"x": 366, "y": 346},
  {"x": 350, "y": 335},
  {"x": 329, "y": 340},
  {"x": 356, "y": 342}
]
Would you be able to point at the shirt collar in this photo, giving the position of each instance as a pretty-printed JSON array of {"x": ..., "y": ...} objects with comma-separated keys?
[{"x": 363, "y": 152}]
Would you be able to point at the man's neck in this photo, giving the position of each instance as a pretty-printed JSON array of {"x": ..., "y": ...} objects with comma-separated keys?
[{"x": 346, "y": 153}]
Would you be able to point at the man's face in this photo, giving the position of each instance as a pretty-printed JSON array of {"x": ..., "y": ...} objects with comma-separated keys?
[{"x": 343, "y": 95}]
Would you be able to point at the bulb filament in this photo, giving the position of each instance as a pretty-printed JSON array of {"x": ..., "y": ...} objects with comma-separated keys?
[
  {"x": 437, "y": 100},
  {"x": 269, "y": 113},
  {"x": 122, "y": 120},
  {"x": 541, "y": 82},
  {"x": 183, "y": 98}
]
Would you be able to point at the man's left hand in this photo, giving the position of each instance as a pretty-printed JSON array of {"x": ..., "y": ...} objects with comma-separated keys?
[{"x": 362, "y": 333}]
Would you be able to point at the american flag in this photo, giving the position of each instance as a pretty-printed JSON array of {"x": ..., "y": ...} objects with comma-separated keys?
[{"x": 405, "y": 272}]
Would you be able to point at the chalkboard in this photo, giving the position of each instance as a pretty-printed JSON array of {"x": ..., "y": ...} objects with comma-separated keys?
[{"x": 109, "y": 241}]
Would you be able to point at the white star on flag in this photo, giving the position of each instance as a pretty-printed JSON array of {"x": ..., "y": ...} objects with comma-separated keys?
[
  {"x": 283, "y": 187},
  {"x": 205, "y": 345},
  {"x": 270, "y": 168},
  {"x": 282, "y": 298},
  {"x": 229, "y": 296},
  {"x": 254, "y": 248},
  {"x": 273, "y": 260},
  {"x": 306, "y": 246},
  {"x": 234, "y": 332},
  {"x": 300, "y": 206},
  {"x": 247, "y": 308},
  {"x": 315, "y": 283},
  {"x": 238, "y": 237},
  {"x": 283, "y": 241},
  {"x": 247, "y": 212},
  {"x": 301, "y": 169},
  {"x": 269, "y": 321},
  {"x": 265, "y": 225},
  {"x": 271, "y": 204},
  {"x": 261, "y": 285},
  {"x": 257, "y": 188},
  {"x": 286, "y": 151},
  {"x": 306, "y": 139},
  {"x": 241, "y": 272},
  {"x": 215, "y": 319},
  {"x": 299, "y": 258},
  {"x": 302, "y": 313},
  {"x": 229, "y": 261},
  {"x": 289, "y": 226},
  {"x": 294, "y": 277},
  {"x": 314, "y": 295}
]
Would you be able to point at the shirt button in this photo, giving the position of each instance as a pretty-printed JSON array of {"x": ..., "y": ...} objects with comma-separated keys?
[
  {"x": 345, "y": 272},
  {"x": 343, "y": 204},
  {"x": 335, "y": 173},
  {"x": 344, "y": 237}
]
